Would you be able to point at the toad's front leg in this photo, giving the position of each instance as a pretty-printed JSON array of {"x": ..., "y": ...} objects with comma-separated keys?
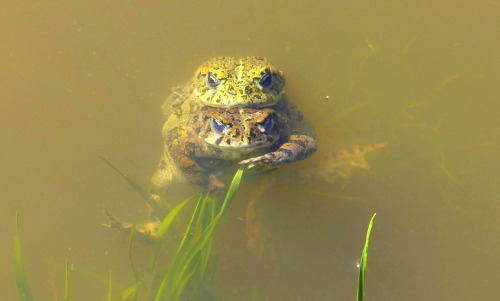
[
  {"x": 196, "y": 174},
  {"x": 297, "y": 148}
]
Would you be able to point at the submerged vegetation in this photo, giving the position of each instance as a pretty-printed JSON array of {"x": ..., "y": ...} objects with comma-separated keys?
[
  {"x": 23, "y": 289},
  {"x": 362, "y": 262},
  {"x": 189, "y": 267}
]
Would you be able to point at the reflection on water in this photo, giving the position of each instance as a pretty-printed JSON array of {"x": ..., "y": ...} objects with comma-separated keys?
[{"x": 80, "y": 80}]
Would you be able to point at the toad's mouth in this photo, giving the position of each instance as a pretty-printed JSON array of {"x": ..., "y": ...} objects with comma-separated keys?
[
  {"x": 241, "y": 148},
  {"x": 238, "y": 146}
]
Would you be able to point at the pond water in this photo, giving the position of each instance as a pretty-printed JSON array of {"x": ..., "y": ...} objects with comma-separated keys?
[{"x": 86, "y": 79}]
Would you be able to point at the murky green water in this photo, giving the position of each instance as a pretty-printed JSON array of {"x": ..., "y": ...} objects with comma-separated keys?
[{"x": 83, "y": 80}]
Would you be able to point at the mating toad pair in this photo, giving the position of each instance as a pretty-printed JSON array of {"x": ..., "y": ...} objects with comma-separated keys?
[{"x": 233, "y": 112}]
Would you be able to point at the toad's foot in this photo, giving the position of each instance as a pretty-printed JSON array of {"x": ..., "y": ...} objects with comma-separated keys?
[
  {"x": 269, "y": 161},
  {"x": 297, "y": 148},
  {"x": 145, "y": 232},
  {"x": 262, "y": 160},
  {"x": 214, "y": 183}
]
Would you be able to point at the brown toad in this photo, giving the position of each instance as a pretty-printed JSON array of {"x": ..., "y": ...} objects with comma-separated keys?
[{"x": 202, "y": 143}]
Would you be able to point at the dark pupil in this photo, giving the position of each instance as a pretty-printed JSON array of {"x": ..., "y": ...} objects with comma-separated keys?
[
  {"x": 218, "y": 125},
  {"x": 266, "y": 80},
  {"x": 213, "y": 81},
  {"x": 267, "y": 124}
]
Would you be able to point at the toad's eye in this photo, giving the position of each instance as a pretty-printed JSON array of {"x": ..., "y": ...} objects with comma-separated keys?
[
  {"x": 266, "y": 125},
  {"x": 266, "y": 80},
  {"x": 213, "y": 81},
  {"x": 218, "y": 125}
]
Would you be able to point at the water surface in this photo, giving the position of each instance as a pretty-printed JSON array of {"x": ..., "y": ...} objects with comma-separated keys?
[{"x": 86, "y": 79}]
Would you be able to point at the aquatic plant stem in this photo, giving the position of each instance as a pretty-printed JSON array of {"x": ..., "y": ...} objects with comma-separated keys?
[
  {"x": 23, "y": 288},
  {"x": 188, "y": 258},
  {"x": 362, "y": 263}
]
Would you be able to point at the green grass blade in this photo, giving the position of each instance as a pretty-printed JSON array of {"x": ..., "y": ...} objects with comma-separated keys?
[
  {"x": 362, "y": 263},
  {"x": 209, "y": 212},
  {"x": 200, "y": 259},
  {"x": 130, "y": 255},
  {"x": 169, "y": 208},
  {"x": 207, "y": 220},
  {"x": 23, "y": 288},
  {"x": 193, "y": 223},
  {"x": 127, "y": 292},
  {"x": 66, "y": 284},
  {"x": 169, "y": 219},
  {"x": 188, "y": 273},
  {"x": 164, "y": 227},
  {"x": 157, "y": 210},
  {"x": 177, "y": 266},
  {"x": 235, "y": 183},
  {"x": 179, "y": 273},
  {"x": 154, "y": 268}
]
